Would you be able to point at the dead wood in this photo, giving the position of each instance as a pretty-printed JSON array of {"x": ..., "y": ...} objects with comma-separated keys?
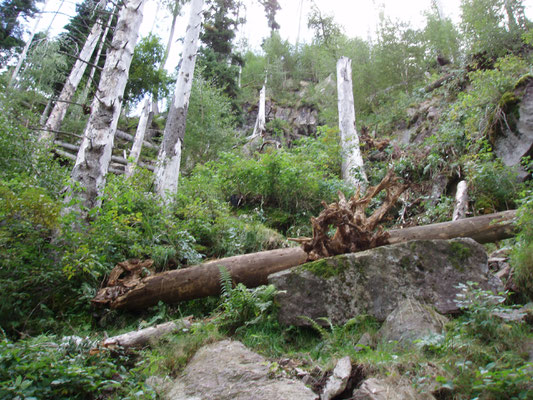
[
  {"x": 354, "y": 230},
  {"x": 368, "y": 142},
  {"x": 144, "y": 336},
  {"x": 253, "y": 269}
]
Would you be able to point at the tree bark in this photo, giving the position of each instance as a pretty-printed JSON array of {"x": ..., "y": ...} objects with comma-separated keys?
[
  {"x": 135, "y": 152},
  {"x": 253, "y": 269},
  {"x": 53, "y": 123},
  {"x": 168, "y": 160},
  {"x": 85, "y": 92},
  {"x": 353, "y": 172},
  {"x": 94, "y": 156},
  {"x": 461, "y": 201},
  {"x": 143, "y": 337}
]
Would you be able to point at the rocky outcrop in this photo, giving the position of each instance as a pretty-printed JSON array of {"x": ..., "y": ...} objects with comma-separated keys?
[
  {"x": 227, "y": 370},
  {"x": 513, "y": 137},
  {"x": 375, "y": 281},
  {"x": 410, "y": 321}
]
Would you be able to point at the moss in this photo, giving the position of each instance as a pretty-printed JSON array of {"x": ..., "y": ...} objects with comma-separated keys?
[
  {"x": 523, "y": 81},
  {"x": 459, "y": 254},
  {"x": 405, "y": 262},
  {"x": 508, "y": 100},
  {"x": 326, "y": 268}
]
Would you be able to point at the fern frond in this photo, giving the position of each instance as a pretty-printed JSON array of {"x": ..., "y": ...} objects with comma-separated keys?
[{"x": 226, "y": 282}]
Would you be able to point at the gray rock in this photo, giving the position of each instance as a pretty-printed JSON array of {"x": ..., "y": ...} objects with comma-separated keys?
[
  {"x": 227, "y": 370},
  {"x": 379, "y": 389},
  {"x": 338, "y": 380},
  {"x": 410, "y": 321},
  {"x": 373, "y": 282},
  {"x": 512, "y": 145}
]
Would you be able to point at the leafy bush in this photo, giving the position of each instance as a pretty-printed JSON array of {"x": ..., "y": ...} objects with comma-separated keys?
[
  {"x": 48, "y": 367},
  {"x": 522, "y": 256}
]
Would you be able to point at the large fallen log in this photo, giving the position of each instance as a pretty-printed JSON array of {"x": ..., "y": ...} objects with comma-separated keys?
[{"x": 253, "y": 269}]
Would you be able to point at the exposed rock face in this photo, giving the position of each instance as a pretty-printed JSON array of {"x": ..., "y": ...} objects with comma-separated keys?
[
  {"x": 378, "y": 389},
  {"x": 227, "y": 370},
  {"x": 512, "y": 145},
  {"x": 373, "y": 282},
  {"x": 410, "y": 321},
  {"x": 338, "y": 380}
]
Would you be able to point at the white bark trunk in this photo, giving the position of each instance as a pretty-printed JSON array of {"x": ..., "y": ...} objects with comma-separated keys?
[
  {"x": 352, "y": 162},
  {"x": 135, "y": 152},
  {"x": 440, "y": 9},
  {"x": 94, "y": 156},
  {"x": 461, "y": 201},
  {"x": 168, "y": 161},
  {"x": 145, "y": 336},
  {"x": 260, "y": 123},
  {"x": 85, "y": 93},
  {"x": 26, "y": 48},
  {"x": 55, "y": 118}
]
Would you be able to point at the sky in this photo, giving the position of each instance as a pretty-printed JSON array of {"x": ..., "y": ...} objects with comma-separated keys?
[{"x": 357, "y": 17}]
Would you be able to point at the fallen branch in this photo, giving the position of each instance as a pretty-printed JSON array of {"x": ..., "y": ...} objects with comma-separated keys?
[
  {"x": 253, "y": 269},
  {"x": 144, "y": 336}
]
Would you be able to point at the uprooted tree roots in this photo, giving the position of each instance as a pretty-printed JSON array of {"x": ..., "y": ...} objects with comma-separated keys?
[{"x": 354, "y": 230}]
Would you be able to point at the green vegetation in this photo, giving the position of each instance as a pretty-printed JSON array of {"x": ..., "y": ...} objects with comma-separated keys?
[{"x": 234, "y": 200}]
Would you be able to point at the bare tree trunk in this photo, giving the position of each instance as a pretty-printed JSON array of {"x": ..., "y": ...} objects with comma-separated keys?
[
  {"x": 85, "y": 93},
  {"x": 353, "y": 172},
  {"x": 94, "y": 156},
  {"x": 461, "y": 201},
  {"x": 135, "y": 152},
  {"x": 440, "y": 9},
  {"x": 260, "y": 122},
  {"x": 26, "y": 48},
  {"x": 143, "y": 337},
  {"x": 55, "y": 118},
  {"x": 168, "y": 161},
  {"x": 253, "y": 269}
]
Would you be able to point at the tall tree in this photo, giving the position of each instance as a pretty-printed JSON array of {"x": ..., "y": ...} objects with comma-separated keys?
[
  {"x": 353, "y": 171},
  {"x": 94, "y": 155},
  {"x": 57, "y": 114},
  {"x": 216, "y": 57},
  {"x": 169, "y": 157},
  {"x": 10, "y": 28},
  {"x": 271, "y": 8}
]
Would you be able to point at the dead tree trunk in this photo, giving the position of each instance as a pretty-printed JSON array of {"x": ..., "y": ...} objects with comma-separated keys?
[
  {"x": 253, "y": 269},
  {"x": 353, "y": 172},
  {"x": 94, "y": 156},
  {"x": 168, "y": 160},
  {"x": 85, "y": 92},
  {"x": 143, "y": 337},
  {"x": 53, "y": 123},
  {"x": 461, "y": 201},
  {"x": 135, "y": 152}
]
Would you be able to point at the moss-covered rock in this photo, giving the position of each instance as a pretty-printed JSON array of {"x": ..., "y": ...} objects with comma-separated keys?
[{"x": 373, "y": 282}]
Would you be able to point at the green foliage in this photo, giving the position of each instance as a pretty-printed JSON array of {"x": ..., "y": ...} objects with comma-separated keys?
[
  {"x": 241, "y": 306},
  {"x": 522, "y": 256},
  {"x": 494, "y": 186},
  {"x": 49, "y": 367},
  {"x": 145, "y": 75},
  {"x": 10, "y": 28},
  {"x": 210, "y": 124}
]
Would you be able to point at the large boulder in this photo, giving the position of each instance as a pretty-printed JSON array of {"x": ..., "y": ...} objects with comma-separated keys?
[
  {"x": 227, "y": 370},
  {"x": 373, "y": 282},
  {"x": 410, "y": 321}
]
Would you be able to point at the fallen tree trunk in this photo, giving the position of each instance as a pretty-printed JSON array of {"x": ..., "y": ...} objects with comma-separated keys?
[
  {"x": 143, "y": 336},
  {"x": 253, "y": 269}
]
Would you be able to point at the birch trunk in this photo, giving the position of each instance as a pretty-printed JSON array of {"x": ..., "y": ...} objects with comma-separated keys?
[
  {"x": 53, "y": 123},
  {"x": 168, "y": 161},
  {"x": 135, "y": 152},
  {"x": 353, "y": 172},
  {"x": 26, "y": 49},
  {"x": 85, "y": 93},
  {"x": 440, "y": 9},
  {"x": 461, "y": 201},
  {"x": 260, "y": 123},
  {"x": 94, "y": 156}
]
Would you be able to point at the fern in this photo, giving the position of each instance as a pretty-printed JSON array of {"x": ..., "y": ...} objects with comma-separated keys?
[{"x": 226, "y": 282}]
